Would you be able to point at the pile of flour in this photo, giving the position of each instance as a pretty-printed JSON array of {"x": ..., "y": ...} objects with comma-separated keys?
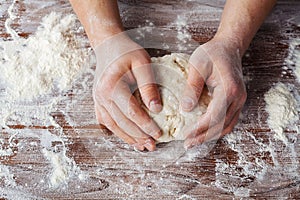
[
  {"x": 282, "y": 103},
  {"x": 281, "y": 106},
  {"x": 35, "y": 73},
  {"x": 46, "y": 62}
]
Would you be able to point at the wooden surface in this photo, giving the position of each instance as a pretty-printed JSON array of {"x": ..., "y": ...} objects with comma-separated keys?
[{"x": 244, "y": 167}]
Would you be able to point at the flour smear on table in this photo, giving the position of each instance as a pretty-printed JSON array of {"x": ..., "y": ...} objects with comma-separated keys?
[
  {"x": 52, "y": 58},
  {"x": 49, "y": 60},
  {"x": 35, "y": 72},
  {"x": 281, "y": 106}
]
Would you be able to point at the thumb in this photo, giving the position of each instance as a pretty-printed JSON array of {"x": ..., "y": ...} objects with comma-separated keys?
[{"x": 200, "y": 67}]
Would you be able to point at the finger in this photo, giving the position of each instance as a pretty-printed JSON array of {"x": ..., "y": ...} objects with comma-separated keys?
[
  {"x": 232, "y": 123},
  {"x": 144, "y": 76},
  {"x": 112, "y": 126},
  {"x": 232, "y": 109},
  {"x": 193, "y": 90},
  {"x": 213, "y": 133},
  {"x": 200, "y": 67},
  {"x": 129, "y": 106},
  {"x": 207, "y": 135},
  {"x": 131, "y": 128},
  {"x": 99, "y": 119},
  {"x": 215, "y": 114}
]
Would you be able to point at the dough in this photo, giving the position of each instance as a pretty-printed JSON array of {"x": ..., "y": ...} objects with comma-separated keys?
[{"x": 171, "y": 73}]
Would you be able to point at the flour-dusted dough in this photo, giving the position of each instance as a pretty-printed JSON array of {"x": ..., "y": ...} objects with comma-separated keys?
[{"x": 171, "y": 73}]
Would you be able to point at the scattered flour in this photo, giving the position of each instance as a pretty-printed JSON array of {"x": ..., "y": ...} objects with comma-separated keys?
[
  {"x": 35, "y": 73},
  {"x": 7, "y": 146},
  {"x": 10, "y": 19},
  {"x": 63, "y": 167},
  {"x": 49, "y": 60},
  {"x": 183, "y": 35},
  {"x": 6, "y": 176},
  {"x": 293, "y": 59},
  {"x": 281, "y": 106}
]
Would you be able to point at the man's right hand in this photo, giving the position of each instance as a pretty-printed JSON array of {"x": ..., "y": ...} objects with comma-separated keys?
[{"x": 121, "y": 63}]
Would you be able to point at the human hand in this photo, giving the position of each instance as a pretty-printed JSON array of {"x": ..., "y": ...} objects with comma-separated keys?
[
  {"x": 218, "y": 64},
  {"x": 121, "y": 63}
]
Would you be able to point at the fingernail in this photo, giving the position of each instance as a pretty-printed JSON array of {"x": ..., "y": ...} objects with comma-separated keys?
[
  {"x": 138, "y": 147},
  {"x": 187, "y": 103},
  {"x": 148, "y": 141},
  {"x": 157, "y": 134},
  {"x": 150, "y": 147},
  {"x": 155, "y": 106}
]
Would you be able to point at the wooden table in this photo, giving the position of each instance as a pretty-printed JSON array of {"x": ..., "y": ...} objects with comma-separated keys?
[{"x": 248, "y": 163}]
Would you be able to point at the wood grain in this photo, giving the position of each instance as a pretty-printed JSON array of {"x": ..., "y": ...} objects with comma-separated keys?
[{"x": 116, "y": 171}]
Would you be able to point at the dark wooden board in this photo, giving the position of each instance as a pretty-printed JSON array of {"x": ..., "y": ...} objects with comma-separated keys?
[{"x": 116, "y": 171}]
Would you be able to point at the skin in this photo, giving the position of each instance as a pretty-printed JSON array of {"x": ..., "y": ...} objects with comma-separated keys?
[{"x": 216, "y": 63}]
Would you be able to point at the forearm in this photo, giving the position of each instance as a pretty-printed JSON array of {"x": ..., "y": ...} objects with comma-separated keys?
[
  {"x": 100, "y": 18},
  {"x": 241, "y": 19}
]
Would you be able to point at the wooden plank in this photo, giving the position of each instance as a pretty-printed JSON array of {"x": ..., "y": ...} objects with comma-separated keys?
[{"x": 242, "y": 165}]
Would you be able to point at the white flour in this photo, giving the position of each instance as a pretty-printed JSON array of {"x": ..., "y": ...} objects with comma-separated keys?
[
  {"x": 259, "y": 161},
  {"x": 10, "y": 19},
  {"x": 293, "y": 59},
  {"x": 63, "y": 168},
  {"x": 6, "y": 176},
  {"x": 35, "y": 72},
  {"x": 48, "y": 61},
  {"x": 282, "y": 109},
  {"x": 183, "y": 34}
]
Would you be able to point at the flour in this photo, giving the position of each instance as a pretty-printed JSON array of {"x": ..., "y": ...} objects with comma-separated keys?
[
  {"x": 183, "y": 35},
  {"x": 293, "y": 58},
  {"x": 62, "y": 167},
  {"x": 37, "y": 70},
  {"x": 35, "y": 73},
  {"x": 9, "y": 21},
  {"x": 281, "y": 106},
  {"x": 6, "y": 148},
  {"x": 6, "y": 176},
  {"x": 47, "y": 61}
]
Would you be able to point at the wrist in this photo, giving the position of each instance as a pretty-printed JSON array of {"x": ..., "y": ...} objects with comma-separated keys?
[
  {"x": 96, "y": 37},
  {"x": 231, "y": 41}
]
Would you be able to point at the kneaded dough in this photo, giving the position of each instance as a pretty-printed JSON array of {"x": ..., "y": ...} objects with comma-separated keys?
[{"x": 171, "y": 72}]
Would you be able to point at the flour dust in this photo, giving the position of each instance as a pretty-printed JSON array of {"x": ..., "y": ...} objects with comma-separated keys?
[{"x": 37, "y": 73}]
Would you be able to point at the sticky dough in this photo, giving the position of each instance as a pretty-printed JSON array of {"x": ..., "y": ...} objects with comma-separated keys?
[{"x": 171, "y": 72}]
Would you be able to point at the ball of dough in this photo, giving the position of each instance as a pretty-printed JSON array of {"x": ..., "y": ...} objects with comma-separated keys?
[{"x": 171, "y": 73}]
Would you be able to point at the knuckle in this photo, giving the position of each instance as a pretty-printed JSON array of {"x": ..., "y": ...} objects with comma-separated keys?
[
  {"x": 132, "y": 112},
  {"x": 143, "y": 57},
  {"x": 144, "y": 60},
  {"x": 110, "y": 124},
  {"x": 235, "y": 88},
  {"x": 108, "y": 121},
  {"x": 149, "y": 91},
  {"x": 196, "y": 89},
  {"x": 244, "y": 97}
]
